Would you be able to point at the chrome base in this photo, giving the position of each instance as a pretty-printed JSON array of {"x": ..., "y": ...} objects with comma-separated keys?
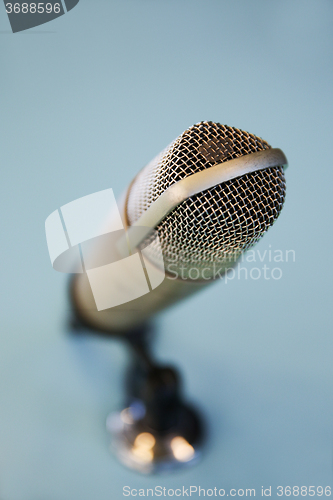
[{"x": 139, "y": 447}]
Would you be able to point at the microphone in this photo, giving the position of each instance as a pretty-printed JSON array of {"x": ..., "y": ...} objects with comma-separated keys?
[
  {"x": 209, "y": 197},
  {"x": 189, "y": 215}
]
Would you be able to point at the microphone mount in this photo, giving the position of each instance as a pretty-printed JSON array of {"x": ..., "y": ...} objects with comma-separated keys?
[{"x": 157, "y": 430}]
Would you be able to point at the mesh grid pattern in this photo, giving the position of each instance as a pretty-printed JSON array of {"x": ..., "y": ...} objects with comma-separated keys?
[{"x": 218, "y": 224}]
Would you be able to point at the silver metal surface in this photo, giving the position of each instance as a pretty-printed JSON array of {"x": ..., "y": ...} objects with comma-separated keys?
[
  {"x": 146, "y": 451},
  {"x": 213, "y": 193},
  {"x": 206, "y": 179}
]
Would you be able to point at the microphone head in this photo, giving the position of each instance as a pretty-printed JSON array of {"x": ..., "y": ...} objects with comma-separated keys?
[{"x": 217, "y": 224}]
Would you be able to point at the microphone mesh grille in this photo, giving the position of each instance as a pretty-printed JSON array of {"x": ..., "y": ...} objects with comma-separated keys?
[{"x": 218, "y": 224}]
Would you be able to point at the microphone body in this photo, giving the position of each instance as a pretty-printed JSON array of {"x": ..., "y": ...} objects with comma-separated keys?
[
  {"x": 209, "y": 196},
  {"x": 130, "y": 315}
]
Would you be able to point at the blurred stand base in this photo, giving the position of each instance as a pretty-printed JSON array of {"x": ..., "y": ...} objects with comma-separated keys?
[{"x": 156, "y": 431}]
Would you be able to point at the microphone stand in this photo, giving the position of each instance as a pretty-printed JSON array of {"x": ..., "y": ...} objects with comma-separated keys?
[{"x": 156, "y": 430}]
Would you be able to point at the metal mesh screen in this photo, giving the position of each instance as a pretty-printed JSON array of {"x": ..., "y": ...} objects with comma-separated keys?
[{"x": 216, "y": 225}]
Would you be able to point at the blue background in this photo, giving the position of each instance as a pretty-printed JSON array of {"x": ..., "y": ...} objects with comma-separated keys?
[{"x": 86, "y": 101}]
